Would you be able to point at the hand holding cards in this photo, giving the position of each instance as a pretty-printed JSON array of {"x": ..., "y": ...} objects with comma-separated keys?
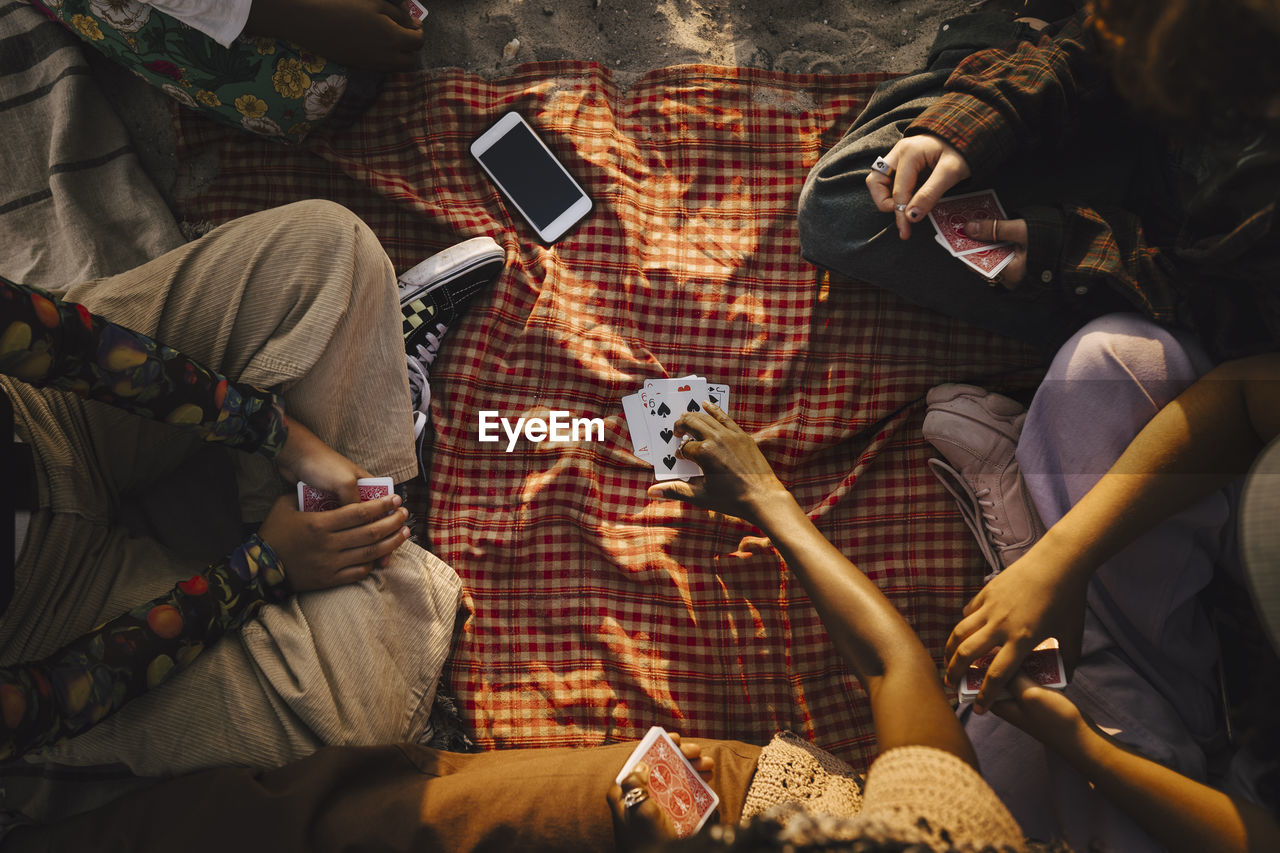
[
  {"x": 1043, "y": 665},
  {"x": 651, "y": 416},
  {"x": 950, "y": 216},
  {"x": 673, "y": 783}
]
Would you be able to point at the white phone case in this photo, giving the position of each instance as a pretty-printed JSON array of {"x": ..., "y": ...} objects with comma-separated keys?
[{"x": 565, "y": 219}]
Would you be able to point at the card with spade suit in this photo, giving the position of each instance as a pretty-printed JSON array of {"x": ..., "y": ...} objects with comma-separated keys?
[{"x": 652, "y": 413}]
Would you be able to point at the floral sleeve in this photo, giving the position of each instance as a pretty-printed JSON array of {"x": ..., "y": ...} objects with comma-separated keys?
[
  {"x": 78, "y": 686},
  {"x": 56, "y": 344}
]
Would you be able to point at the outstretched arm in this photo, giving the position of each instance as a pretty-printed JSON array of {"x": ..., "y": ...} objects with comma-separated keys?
[
  {"x": 1194, "y": 446},
  {"x": 1181, "y": 813},
  {"x": 908, "y": 704}
]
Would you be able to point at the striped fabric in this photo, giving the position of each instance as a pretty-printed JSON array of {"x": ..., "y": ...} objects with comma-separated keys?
[
  {"x": 74, "y": 202},
  {"x": 595, "y": 612}
]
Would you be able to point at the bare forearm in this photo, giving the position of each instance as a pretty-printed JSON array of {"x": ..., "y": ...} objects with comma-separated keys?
[
  {"x": 1179, "y": 812},
  {"x": 1194, "y": 446},
  {"x": 907, "y": 699}
]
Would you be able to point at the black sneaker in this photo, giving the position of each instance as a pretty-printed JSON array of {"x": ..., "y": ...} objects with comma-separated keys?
[{"x": 433, "y": 296}]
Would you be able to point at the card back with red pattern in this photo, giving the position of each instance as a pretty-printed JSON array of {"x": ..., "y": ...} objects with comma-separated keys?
[
  {"x": 673, "y": 783},
  {"x": 312, "y": 499},
  {"x": 950, "y": 215},
  {"x": 372, "y": 488}
]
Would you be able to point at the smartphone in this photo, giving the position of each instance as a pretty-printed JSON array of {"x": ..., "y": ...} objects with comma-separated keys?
[{"x": 531, "y": 177}]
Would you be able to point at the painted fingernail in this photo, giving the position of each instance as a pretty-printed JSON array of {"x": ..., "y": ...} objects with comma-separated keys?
[{"x": 913, "y": 214}]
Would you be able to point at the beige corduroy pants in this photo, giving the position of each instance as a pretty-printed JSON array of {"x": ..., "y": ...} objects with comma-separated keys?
[{"x": 300, "y": 300}]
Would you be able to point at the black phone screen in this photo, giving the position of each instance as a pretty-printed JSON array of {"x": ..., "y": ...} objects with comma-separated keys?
[{"x": 524, "y": 169}]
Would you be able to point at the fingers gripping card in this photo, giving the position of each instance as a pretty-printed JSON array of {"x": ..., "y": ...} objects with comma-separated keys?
[{"x": 1043, "y": 665}]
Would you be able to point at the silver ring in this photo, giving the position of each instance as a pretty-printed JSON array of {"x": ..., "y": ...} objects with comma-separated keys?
[
  {"x": 882, "y": 166},
  {"x": 634, "y": 797},
  {"x": 900, "y": 207}
]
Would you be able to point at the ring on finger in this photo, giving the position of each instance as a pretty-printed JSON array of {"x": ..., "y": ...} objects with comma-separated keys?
[
  {"x": 900, "y": 207},
  {"x": 635, "y": 797},
  {"x": 882, "y": 166},
  {"x": 995, "y": 235}
]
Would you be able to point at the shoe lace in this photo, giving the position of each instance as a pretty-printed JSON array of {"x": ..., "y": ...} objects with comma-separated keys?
[
  {"x": 990, "y": 518},
  {"x": 419, "y": 360},
  {"x": 973, "y": 509}
]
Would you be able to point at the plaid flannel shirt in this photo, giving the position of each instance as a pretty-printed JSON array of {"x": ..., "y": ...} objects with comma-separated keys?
[{"x": 1220, "y": 277}]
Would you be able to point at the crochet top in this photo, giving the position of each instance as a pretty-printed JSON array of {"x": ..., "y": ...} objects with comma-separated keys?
[{"x": 913, "y": 794}]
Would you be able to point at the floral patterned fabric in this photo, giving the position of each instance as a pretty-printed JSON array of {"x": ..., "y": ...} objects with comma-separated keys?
[
  {"x": 50, "y": 343},
  {"x": 81, "y": 684},
  {"x": 266, "y": 86}
]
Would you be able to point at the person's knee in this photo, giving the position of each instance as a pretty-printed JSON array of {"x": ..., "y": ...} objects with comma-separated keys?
[
  {"x": 326, "y": 219},
  {"x": 834, "y": 217},
  {"x": 342, "y": 232},
  {"x": 1130, "y": 349}
]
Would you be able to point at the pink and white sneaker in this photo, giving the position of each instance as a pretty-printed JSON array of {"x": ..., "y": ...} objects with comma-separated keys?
[{"x": 977, "y": 431}]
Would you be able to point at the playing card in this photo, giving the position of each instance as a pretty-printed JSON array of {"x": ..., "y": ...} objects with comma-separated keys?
[
  {"x": 989, "y": 262},
  {"x": 672, "y": 398},
  {"x": 950, "y": 215},
  {"x": 372, "y": 488},
  {"x": 1043, "y": 665},
  {"x": 312, "y": 499},
  {"x": 638, "y": 426},
  {"x": 416, "y": 10},
  {"x": 719, "y": 395},
  {"x": 652, "y": 413},
  {"x": 673, "y": 783}
]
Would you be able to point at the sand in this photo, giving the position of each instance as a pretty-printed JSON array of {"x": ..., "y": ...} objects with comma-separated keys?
[
  {"x": 492, "y": 37},
  {"x": 634, "y": 36}
]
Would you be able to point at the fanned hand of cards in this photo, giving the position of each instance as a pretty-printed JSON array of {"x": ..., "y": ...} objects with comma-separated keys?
[
  {"x": 652, "y": 413},
  {"x": 951, "y": 214},
  {"x": 673, "y": 783}
]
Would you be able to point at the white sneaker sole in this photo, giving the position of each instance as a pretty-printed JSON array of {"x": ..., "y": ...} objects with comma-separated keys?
[{"x": 449, "y": 264}]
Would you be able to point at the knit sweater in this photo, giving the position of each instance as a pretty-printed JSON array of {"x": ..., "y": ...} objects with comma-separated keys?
[{"x": 913, "y": 794}]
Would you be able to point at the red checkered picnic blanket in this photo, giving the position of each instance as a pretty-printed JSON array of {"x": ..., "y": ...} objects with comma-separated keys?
[{"x": 594, "y": 612}]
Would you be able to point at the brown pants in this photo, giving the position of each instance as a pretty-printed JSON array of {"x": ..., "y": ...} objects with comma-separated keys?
[{"x": 399, "y": 798}]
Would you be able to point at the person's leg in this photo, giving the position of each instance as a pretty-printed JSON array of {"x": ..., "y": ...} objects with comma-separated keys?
[
  {"x": 1148, "y": 652},
  {"x": 841, "y": 230},
  {"x": 1105, "y": 385},
  {"x": 300, "y": 300},
  {"x": 394, "y": 798}
]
